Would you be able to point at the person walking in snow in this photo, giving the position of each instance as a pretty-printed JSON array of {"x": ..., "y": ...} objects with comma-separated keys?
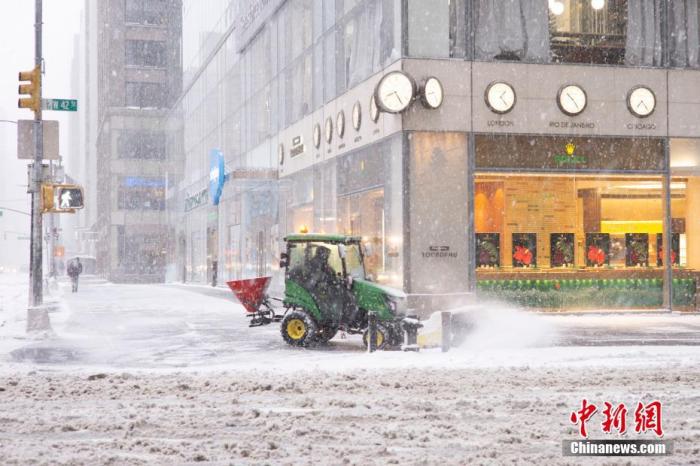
[{"x": 75, "y": 268}]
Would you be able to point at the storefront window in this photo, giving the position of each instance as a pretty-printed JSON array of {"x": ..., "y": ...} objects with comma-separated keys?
[
  {"x": 685, "y": 205},
  {"x": 612, "y": 32},
  {"x": 363, "y": 215},
  {"x": 436, "y": 29},
  {"x": 586, "y": 236}
]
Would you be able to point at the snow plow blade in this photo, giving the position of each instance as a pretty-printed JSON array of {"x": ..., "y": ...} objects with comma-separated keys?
[
  {"x": 446, "y": 329},
  {"x": 252, "y": 294}
]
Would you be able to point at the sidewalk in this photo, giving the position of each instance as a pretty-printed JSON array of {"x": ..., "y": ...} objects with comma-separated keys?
[{"x": 222, "y": 292}]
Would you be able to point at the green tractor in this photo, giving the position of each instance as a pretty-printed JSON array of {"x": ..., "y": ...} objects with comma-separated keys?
[{"x": 326, "y": 291}]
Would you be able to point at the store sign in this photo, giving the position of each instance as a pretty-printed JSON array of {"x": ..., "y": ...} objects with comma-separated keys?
[
  {"x": 516, "y": 152},
  {"x": 439, "y": 252},
  {"x": 250, "y": 17},
  {"x": 570, "y": 159},
  {"x": 298, "y": 147},
  {"x": 217, "y": 175},
  {"x": 197, "y": 199}
]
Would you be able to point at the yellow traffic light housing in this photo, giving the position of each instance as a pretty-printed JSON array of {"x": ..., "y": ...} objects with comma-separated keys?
[
  {"x": 32, "y": 90},
  {"x": 46, "y": 198},
  {"x": 61, "y": 198}
]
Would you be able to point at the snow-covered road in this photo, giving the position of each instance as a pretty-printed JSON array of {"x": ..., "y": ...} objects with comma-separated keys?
[
  {"x": 166, "y": 374},
  {"x": 165, "y": 327}
]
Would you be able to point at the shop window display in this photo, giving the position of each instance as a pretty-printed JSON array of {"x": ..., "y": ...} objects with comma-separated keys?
[
  {"x": 607, "y": 256},
  {"x": 685, "y": 238}
]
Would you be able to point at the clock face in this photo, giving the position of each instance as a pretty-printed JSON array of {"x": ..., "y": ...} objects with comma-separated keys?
[
  {"x": 500, "y": 97},
  {"x": 373, "y": 109},
  {"x": 572, "y": 99},
  {"x": 317, "y": 135},
  {"x": 641, "y": 101},
  {"x": 357, "y": 115},
  {"x": 329, "y": 129},
  {"x": 280, "y": 154},
  {"x": 395, "y": 92},
  {"x": 433, "y": 93},
  {"x": 340, "y": 124}
]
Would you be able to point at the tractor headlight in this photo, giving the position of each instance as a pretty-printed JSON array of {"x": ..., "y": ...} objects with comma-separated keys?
[{"x": 396, "y": 305}]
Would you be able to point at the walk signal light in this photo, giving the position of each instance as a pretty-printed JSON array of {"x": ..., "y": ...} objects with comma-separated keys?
[
  {"x": 32, "y": 90},
  {"x": 61, "y": 198}
]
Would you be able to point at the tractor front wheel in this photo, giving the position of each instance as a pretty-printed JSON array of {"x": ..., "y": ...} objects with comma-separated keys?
[
  {"x": 298, "y": 328},
  {"x": 382, "y": 337}
]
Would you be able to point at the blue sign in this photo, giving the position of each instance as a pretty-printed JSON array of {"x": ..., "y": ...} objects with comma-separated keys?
[
  {"x": 143, "y": 182},
  {"x": 217, "y": 175}
]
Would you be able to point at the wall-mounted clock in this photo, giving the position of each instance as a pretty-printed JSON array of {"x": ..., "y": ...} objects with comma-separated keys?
[
  {"x": 373, "y": 109},
  {"x": 433, "y": 94},
  {"x": 317, "y": 135},
  {"x": 500, "y": 97},
  {"x": 641, "y": 101},
  {"x": 357, "y": 116},
  {"x": 329, "y": 130},
  {"x": 572, "y": 99},
  {"x": 395, "y": 92},
  {"x": 340, "y": 124}
]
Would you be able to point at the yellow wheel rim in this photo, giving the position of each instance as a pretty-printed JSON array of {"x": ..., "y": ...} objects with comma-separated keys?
[
  {"x": 296, "y": 329},
  {"x": 380, "y": 338}
]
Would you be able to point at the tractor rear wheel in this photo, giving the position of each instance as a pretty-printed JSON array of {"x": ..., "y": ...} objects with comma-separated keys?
[{"x": 298, "y": 328}]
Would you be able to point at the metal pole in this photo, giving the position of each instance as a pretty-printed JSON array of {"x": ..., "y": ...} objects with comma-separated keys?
[
  {"x": 52, "y": 236},
  {"x": 372, "y": 332},
  {"x": 36, "y": 269}
]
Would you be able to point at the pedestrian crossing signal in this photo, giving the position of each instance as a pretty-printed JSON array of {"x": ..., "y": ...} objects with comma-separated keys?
[{"x": 61, "y": 198}]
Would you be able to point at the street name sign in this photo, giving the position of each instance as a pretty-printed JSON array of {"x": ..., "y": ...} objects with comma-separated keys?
[{"x": 65, "y": 105}]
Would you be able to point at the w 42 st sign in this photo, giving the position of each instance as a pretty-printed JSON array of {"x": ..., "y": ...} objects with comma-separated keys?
[{"x": 66, "y": 105}]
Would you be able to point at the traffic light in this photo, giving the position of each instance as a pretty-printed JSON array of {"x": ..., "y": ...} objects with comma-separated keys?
[
  {"x": 31, "y": 90},
  {"x": 61, "y": 198},
  {"x": 68, "y": 197}
]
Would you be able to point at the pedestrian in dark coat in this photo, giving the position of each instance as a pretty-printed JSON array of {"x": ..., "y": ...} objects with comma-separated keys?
[{"x": 75, "y": 268}]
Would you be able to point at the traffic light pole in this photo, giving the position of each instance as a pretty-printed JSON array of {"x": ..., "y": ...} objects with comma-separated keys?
[{"x": 36, "y": 270}]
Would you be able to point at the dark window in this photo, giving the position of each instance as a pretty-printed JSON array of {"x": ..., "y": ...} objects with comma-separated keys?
[
  {"x": 141, "y": 193},
  {"x": 139, "y": 94},
  {"x": 592, "y": 32},
  {"x": 145, "y": 11},
  {"x": 141, "y": 145},
  {"x": 145, "y": 53}
]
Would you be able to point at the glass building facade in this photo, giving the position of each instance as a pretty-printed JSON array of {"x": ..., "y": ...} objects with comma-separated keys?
[{"x": 540, "y": 205}]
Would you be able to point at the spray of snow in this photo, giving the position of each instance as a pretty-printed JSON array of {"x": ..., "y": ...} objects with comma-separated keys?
[{"x": 496, "y": 325}]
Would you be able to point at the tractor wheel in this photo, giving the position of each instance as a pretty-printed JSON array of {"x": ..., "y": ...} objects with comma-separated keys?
[
  {"x": 382, "y": 337},
  {"x": 326, "y": 333},
  {"x": 298, "y": 328}
]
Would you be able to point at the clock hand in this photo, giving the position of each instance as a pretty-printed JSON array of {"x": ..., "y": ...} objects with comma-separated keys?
[
  {"x": 641, "y": 102},
  {"x": 502, "y": 99},
  {"x": 398, "y": 97},
  {"x": 572, "y": 99}
]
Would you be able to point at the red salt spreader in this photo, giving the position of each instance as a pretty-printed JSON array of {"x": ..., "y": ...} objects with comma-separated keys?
[{"x": 252, "y": 294}]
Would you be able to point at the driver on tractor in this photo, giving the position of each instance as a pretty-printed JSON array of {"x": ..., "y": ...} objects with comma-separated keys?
[{"x": 323, "y": 283}]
